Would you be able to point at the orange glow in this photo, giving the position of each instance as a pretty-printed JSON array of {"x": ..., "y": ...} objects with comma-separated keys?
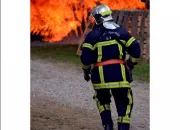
[{"x": 55, "y": 19}]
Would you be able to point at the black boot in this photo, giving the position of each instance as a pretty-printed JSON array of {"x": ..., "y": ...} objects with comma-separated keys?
[
  {"x": 123, "y": 126},
  {"x": 108, "y": 127}
]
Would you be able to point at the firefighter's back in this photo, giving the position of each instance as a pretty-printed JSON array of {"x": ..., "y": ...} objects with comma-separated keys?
[{"x": 107, "y": 46}]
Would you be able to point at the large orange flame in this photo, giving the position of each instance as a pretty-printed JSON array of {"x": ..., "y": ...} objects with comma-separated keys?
[{"x": 55, "y": 19}]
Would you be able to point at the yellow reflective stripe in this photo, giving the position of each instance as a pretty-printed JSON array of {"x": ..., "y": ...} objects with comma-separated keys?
[
  {"x": 106, "y": 12},
  {"x": 105, "y": 43},
  {"x": 134, "y": 59},
  {"x": 123, "y": 72},
  {"x": 128, "y": 110},
  {"x": 99, "y": 54},
  {"x": 85, "y": 66},
  {"x": 130, "y": 97},
  {"x": 98, "y": 104},
  {"x": 122, "y": 119},
  {"x": 130, "y": 41},
  {"x": 121, "y": 84},
  {"x": 88, "y": 45},
  {"x": 94, "y": 97},
  {"x": 123, "y": 41},
  {"x": 107, "y": 106},
  {"x": 101, "y": 109},
  {"x": 120, "y": 51},
  {"x": 126, "y": 118},
  {"x": 101, "y": 73}
]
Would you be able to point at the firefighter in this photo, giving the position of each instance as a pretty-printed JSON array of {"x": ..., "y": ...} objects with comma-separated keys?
[{"x": 103, "y": 62}]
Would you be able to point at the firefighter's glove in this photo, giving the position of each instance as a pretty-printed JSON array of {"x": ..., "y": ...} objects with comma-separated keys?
[
  {"x": 129, "y": 64},
  {"x": 86, "y": 75},
  {"x": 130, "y": 77}
]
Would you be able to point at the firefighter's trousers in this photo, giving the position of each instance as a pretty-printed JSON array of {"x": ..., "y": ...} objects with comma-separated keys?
[{"x": 124, "y": 103}]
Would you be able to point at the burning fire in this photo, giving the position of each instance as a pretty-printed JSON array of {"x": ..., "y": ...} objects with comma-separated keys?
[{"x": 55, "y": 19}]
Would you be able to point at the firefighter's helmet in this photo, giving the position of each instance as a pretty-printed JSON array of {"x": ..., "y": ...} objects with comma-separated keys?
[{"x": 102, "y": 13}]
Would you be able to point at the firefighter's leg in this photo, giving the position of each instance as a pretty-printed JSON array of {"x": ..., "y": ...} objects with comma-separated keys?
[
  {"x": 103, "y": 100},
  {"x": 124, "y": 103}
]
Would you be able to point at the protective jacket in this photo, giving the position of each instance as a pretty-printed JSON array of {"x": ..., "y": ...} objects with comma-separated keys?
[{"x": 103, "y": 44}]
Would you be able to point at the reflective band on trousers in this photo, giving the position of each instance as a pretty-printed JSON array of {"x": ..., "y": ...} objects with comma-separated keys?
[
  {"x": 101, "y": 108},
  {"x": 121, "y": 84},
  {"x": 128, "y": 109},
  {"x": 126, "y": 118},
  {"x": 107, "y": 106},
  {"x": 122, "y": 119}
]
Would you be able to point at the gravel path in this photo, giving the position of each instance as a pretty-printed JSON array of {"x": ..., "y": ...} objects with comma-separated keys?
[{"x": 63, "y": 83}]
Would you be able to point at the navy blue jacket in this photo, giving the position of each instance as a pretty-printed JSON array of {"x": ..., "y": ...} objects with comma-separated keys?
[{"x": 102, "y": 44}]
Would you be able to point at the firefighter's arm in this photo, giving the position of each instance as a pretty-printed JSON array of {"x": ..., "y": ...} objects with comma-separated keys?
[
  {"x": 133, "y": 48},
  {"x": 135, "y": 53},
  {"x": 87, "y": 56}
]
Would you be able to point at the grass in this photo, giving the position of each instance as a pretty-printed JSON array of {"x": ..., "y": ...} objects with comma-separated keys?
[
  {"x": 67, "y": 53},
  {"x": 141, "y": 72}
]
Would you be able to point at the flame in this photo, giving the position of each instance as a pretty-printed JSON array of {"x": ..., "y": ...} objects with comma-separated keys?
[{"x": 55, "y": 19}]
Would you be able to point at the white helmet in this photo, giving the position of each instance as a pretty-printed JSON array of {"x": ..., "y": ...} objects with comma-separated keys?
[{"x": 101, "y": 13}]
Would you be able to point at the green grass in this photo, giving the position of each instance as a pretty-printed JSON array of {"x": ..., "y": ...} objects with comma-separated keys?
[
  {"x": 67, "y": 53},
  {"x": 141, "y": 72}
]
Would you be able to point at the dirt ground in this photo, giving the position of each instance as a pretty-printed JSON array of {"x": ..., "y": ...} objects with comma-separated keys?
[
  {"x": 62, "y": 100},
  {"x": 55, "y": 117}
]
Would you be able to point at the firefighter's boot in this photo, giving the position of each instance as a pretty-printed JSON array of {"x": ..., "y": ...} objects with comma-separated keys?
[
  {"x": 123, "y": 126},
  {"x": 108, "y": 127}
]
